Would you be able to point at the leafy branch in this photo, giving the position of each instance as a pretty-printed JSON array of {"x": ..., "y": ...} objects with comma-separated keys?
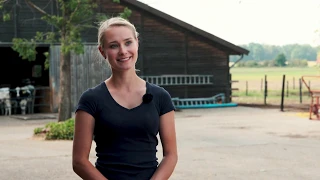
[
  {"x": 126, "y": 13},
  {"x": 36, "y": 7},
  {"x": 5, "y": 15},
  {"x": 27, "y": 47},
  {"x": 74, "y": 12}
]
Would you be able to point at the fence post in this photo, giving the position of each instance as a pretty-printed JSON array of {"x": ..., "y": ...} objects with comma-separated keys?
[
  {"x": 300, "y": 90},
  {"x": 282, "y": 91},
  {"x": 246, "y": 88},
  {"x": 287, "y": 88},
  {"x": 265, "y": 89}
]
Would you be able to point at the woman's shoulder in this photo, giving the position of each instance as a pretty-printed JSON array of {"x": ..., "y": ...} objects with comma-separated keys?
[
  {"x": 162, "y": 99},
  {"x": 89, "y": 99},
  {"x": 156, "y": 89},
  {"x": 94, "y": 91}
]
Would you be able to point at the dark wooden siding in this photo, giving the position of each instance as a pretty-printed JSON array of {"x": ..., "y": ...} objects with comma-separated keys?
[
  {"x": 204, "y": 58},
  {"x": 164, "y": 49},
  {"x": 7, "y": 28}
]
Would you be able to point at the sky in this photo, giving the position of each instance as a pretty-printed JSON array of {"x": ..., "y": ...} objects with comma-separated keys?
[{"x": 273, "y": 22}]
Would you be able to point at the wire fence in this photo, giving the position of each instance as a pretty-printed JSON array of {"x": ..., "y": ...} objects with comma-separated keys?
[{"x": 286, "y": 91}]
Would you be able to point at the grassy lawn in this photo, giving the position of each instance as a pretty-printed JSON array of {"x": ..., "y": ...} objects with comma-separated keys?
[{"x": 243, "y": 74}]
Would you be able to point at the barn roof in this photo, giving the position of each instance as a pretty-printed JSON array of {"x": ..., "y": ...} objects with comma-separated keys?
[{"x": 235, "y": 50}]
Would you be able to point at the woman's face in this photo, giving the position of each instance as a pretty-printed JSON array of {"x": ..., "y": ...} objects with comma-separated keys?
[{"x": 120, "y": 48}]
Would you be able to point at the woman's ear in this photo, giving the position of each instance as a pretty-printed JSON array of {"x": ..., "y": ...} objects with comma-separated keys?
[{"x": 101, "y": 52}]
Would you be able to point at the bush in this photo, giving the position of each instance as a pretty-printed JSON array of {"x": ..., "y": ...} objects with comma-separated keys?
[
  {"x": 298, "y": 63},
  {"x": 268, "y": 63},
  {"x": 38, "y": 130},
  {"x": 248, "y": 63},
  {"x": 57, "y": 130}
]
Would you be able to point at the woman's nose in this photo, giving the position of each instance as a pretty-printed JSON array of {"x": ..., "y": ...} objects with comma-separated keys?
[{"x": 122, "y": 50}]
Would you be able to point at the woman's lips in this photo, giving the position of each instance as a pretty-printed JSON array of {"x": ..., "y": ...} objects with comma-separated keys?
[{"x": 124, "y": 59}]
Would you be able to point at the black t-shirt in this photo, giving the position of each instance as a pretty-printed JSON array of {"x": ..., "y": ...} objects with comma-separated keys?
[{"x": 126, "y": 139}]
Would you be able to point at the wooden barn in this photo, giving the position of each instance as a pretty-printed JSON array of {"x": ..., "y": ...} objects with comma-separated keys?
[{"x": 168, "y": 47}]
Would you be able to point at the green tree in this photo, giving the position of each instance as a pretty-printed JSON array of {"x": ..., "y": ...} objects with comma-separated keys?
[
  {"x": 304, "y": 52},
  {"x": 257, "y": 51},
  {"x": 280, "y": 60},
  {"x": 74, "y": 17},
  {"x": 261, "y": 52}
]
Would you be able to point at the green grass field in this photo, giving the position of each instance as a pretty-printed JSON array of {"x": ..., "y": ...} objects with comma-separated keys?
[
  {"x": 273, "y": 73},
  {"x": 251, "y": 84},
  {"x": 255, "y": 76}
]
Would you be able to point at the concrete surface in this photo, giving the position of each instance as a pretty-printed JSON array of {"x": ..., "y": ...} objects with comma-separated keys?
[{"x": 228, "y": 143}]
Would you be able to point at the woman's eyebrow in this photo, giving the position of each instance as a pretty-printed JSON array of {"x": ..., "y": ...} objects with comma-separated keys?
[
  {"x": 117, "y": 41},
  {"x": 128, "y": 39}
]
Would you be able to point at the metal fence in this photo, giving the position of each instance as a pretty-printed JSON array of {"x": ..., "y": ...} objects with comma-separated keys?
[{"x": 37, "y": 101}]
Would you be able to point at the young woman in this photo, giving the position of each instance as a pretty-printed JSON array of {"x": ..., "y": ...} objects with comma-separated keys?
[{"x": 123, "y": 115}]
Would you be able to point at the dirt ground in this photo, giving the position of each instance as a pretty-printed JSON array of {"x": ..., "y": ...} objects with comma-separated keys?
[{"x": 242, "y": 143}]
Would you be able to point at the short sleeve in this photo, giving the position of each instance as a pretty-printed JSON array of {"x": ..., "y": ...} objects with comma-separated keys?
[
  {"x": 166, "y": 104},
  {"x": 87, "y": 103}
]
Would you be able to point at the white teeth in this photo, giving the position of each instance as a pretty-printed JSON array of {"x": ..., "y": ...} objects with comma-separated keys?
[{"x": 124, "y": 59}]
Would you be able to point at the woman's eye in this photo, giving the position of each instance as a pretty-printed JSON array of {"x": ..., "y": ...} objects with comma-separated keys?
[
  {"x": 112, "y": 46},
  {"x": 128, "y": 43}
]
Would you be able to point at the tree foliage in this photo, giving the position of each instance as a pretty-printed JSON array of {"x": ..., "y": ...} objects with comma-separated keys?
[
  {"x": 262, "y": 52},
  {"x": 280, "y": 60},
  {"x": 268, "y": 63}
]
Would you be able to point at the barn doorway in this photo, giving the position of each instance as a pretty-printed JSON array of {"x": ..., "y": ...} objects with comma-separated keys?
[{"x": 15, "y": 72}]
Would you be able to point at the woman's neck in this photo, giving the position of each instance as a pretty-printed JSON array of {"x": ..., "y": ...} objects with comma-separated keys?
[{"x": 124, "y": 80}]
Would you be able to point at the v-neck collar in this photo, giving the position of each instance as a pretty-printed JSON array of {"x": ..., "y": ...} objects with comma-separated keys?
[{"x": 122, "y": 107}]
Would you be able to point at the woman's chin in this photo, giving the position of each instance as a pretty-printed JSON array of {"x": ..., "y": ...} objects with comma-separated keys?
[{"x": 124, "y": 68}]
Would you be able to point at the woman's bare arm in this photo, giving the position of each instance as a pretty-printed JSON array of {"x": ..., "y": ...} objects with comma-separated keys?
[
  {"x": 83, "y": 133},
  {"x": 168, "y": 139}
]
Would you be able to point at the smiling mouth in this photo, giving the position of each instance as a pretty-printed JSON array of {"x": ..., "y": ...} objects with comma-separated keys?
[{"x": 124, "y": 59}]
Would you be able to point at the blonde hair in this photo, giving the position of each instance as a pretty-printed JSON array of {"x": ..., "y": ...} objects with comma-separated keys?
[{"x": 114, "y": 21}]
